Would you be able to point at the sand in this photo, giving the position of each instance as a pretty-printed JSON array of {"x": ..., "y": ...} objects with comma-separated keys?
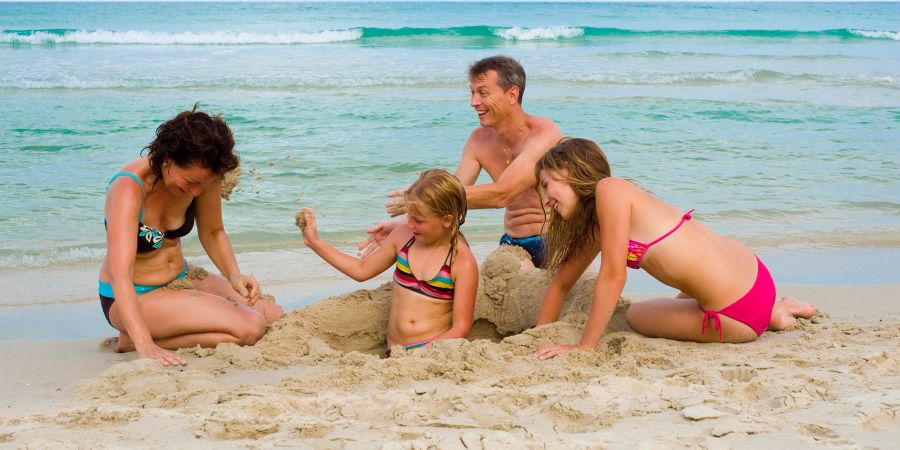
[{"x": 318, "y": 380}]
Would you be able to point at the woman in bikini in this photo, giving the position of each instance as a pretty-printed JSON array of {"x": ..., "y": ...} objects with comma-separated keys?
[
  {"x": 150, "y": 205},
  {"x": 435, "y": 273},
  {"x": 726, "y": 292}
]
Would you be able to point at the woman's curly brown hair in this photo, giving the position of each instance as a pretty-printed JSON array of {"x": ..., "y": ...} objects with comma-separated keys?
[{"x": 193, "y": 138}]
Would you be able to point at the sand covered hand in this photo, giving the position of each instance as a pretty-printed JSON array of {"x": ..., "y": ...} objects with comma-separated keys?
[
  {"x": 306, "y": 221},
  {"x": 246, "y": 285}
]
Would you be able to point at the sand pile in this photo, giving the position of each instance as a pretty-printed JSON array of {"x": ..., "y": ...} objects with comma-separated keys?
[{"x": 317, "y": 381}]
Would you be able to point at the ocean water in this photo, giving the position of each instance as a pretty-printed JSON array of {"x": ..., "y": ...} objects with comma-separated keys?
[{"x": 778, "y": 122}]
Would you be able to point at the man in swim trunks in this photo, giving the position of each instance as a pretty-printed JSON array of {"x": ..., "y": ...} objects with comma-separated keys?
[{"x": 507, "y": 144}]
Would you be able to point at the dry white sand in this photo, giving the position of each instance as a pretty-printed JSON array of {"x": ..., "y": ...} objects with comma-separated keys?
[{"x": 317, "y": 381}]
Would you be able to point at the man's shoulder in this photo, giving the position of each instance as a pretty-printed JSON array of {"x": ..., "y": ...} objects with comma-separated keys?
[
  {"x": 482, "y": 138},
  {"x": 542, "y": 125}
]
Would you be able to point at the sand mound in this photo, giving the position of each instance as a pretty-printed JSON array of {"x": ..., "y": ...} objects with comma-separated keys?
[{"x": 507, "y": 303}]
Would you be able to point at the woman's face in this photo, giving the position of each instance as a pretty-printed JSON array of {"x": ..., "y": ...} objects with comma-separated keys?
[
  {"x": 190, "y": 179},
  {"x": 558, "y": 194}
]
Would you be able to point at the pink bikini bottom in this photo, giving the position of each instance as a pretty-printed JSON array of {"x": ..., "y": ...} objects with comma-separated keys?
[{"x": 753, "y": 309}]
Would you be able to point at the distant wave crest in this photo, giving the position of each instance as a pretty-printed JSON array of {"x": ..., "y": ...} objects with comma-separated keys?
[
  {"x": 545, "y": 33},
  {"x": 892, "y": 35},
  {"x": 40, "y": 37},
  {"x": 410, "y": 35}
]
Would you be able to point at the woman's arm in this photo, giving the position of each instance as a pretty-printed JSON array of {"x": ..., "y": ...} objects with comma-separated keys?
[
  {"x": 614, "y": 201},
  {"x": 123, "y": 206},
  {"x": 465, "y": 282},
  {"x": 360, "y": 269},
  {"x": 562, "y": 283},
  {"x": 215, "y": 241}
]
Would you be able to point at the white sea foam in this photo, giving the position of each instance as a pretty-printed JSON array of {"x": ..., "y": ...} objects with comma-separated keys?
[
  {"x": 186, "y": 38},
  {"x": 543, "y": 33},
  {"x": 893, "y": 35},
  {"x": 52, "y": 257}
]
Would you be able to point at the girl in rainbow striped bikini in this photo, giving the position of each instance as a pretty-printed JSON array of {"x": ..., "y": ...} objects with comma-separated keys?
[{"x": 435, "y": 273}]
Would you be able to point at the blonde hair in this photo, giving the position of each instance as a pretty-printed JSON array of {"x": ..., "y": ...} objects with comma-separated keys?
[
  {"x": 443, "y": 194},
  {"x": 583, "y": 165}
]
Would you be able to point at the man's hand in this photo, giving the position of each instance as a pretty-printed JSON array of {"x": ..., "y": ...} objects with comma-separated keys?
[
  {"x": 376, "y": 236},
  {"x": 397, "y": 207}
]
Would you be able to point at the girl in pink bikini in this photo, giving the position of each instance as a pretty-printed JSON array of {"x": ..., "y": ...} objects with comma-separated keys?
[{"x": 726, "y": 292}]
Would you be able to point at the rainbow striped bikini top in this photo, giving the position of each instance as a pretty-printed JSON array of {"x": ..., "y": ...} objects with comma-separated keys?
[{"x": 440, "y": 287}]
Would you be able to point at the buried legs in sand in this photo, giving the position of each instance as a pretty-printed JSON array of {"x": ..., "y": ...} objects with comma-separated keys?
[
  {"x": 205, "y": 311},
  {"x": 681, "y": 318}
]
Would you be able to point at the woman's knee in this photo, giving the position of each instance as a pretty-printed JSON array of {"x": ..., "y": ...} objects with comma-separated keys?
[{"x": 251, "y": 328}]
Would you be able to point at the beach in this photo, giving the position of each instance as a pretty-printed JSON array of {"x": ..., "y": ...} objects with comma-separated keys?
[
  {"x": 776, "y": 122},
  {"x": 318, "y": 379}
]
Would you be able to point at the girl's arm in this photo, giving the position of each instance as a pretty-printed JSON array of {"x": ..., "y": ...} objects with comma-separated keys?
[
  {"x": 562, "y": 283},
  {"x": 215, "y": 241},
  {"x": 360, "y": 269},
  {"x": 614, "y": 200},
  {"x": 465, "y": 282},
  {"x": 123, "y": 206}
]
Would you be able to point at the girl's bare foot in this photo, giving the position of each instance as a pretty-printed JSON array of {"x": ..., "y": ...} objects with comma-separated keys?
[
  {"x": 796, "y": 307},
  {"x": 781, "y": 319},
  {"x": 125, "y": 343}
]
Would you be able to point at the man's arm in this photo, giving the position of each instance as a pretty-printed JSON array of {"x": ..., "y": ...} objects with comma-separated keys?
[
  {"x": 469, "y": 168},
  {"x": 518, "y": 177}
]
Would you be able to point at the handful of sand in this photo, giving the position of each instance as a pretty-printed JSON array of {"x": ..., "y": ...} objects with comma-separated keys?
[
  {"x": 229, "y": 181},
  {"x": 300, "y": 218}
]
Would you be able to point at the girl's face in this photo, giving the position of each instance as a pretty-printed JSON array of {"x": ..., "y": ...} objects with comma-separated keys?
[
  {"x": 558, "y": 194},
  {"x": 427, "y": 226},
  {"x": 191, "y": 179}
]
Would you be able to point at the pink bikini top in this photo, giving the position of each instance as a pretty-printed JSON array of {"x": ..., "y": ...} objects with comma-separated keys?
[{"x": 636, "y": 250}]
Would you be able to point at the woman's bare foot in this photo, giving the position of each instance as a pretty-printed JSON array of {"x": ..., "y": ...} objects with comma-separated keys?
[{"x": 125, "y": 344}]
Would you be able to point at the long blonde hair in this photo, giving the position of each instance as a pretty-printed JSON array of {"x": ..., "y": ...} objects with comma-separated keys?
[
  {"x": 583, "y": 164},
  {"x": 442, "y": 193}
]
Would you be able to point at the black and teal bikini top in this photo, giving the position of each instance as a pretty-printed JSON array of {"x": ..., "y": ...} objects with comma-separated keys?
[{"x": 149, "y": 238}]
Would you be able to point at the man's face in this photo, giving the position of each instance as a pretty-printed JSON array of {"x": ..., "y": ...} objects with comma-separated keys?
[{"x": 489, "y": 100}]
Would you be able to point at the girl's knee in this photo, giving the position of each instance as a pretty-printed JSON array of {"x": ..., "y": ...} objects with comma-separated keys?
[{"x": 633, "y": 317}]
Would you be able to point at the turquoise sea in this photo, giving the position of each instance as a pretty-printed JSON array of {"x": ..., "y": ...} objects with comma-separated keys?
[{"x": 778, "y": 122}]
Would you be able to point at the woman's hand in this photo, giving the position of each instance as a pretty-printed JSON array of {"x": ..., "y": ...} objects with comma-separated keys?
[
  {"x": 166, "y": 357},
  {"x": 246, "y": 285},
  {"x": 552, "y": 351}
]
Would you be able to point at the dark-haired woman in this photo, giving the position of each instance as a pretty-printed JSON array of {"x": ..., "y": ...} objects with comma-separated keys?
[{"x": 150, "y": 205}]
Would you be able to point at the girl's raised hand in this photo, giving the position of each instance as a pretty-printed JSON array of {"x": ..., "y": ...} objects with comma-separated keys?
[{"x": 306, "y": 220}]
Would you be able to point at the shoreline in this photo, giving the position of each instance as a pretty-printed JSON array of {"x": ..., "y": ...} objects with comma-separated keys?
[{"x": 32, "y": 309}]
